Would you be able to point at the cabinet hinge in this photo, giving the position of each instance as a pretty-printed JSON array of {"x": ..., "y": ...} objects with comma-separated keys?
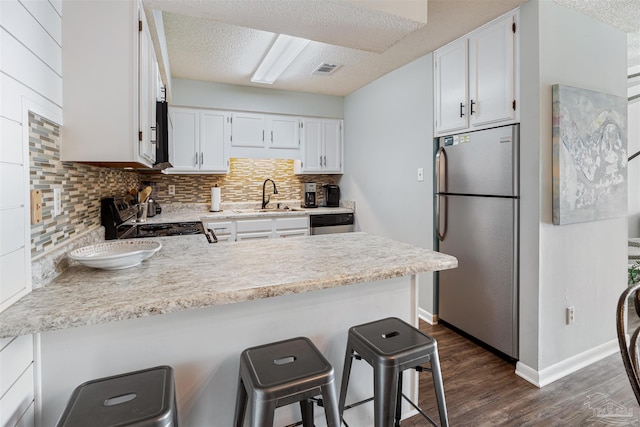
[
  {"x": 139, "y": 25},
  {"x": 513, "y": 27},
  {"x": 514, "y": 105},
  {"x": 139, "y": 135}
]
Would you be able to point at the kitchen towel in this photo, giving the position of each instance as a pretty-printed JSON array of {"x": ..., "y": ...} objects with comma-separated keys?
[{"x": 215, "y": 199}]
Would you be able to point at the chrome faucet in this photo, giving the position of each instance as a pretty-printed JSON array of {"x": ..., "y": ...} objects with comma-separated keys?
[{"x": 275, "y": 191}]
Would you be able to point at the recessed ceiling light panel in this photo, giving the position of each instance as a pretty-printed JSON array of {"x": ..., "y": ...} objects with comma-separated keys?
[{"x": 284, "y": 50}]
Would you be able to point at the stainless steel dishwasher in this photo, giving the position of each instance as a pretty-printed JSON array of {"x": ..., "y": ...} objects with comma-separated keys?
[{"x": 331, "y": 223}]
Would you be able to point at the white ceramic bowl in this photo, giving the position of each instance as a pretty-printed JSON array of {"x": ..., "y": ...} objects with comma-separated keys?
[{"x": 116, "y": 255}]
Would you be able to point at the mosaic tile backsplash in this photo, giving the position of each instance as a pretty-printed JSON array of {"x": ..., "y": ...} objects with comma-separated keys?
[
  {"x": 242, "y": 184},
  {"x": 82, "y": 188}
]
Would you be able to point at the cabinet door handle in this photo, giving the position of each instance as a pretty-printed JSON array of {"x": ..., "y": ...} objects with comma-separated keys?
[
  {"x": 202, "y": 158},
  {"x": 196, "y": 160},
  {"x": 472, "y": 104},
  {"x": 461, "y": 107},
  {"x": 272, "y": 137},
  {"x": 154, "y": 140},
  {"x": 263, "y": 135},
  {"x": 325, "y": 160},
  {"x": 321, "y": 160}
]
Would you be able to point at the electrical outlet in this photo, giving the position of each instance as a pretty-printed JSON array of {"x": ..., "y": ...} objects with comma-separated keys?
[
  {"x": 172, "y": 190},
  {"x": 57, "y": 201},
  {"x": 571, "y": 315},
  {"x": 420, "y": 174}
]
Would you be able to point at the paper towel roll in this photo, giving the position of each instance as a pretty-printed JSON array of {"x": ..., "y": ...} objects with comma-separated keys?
[{"x": 215, "y": 199}]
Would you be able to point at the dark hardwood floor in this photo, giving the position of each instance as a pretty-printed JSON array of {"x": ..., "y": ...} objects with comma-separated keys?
[{"x": 483, "y": 390}]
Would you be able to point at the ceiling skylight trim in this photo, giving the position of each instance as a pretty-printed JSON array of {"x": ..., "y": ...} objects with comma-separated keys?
[{"x": 283, "y": 52}]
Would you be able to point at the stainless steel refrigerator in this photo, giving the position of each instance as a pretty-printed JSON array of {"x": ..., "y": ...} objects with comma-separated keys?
[{"x": 476, "y": 220}]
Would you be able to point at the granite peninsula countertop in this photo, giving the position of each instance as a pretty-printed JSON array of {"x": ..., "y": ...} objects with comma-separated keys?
[{"x": 189, "y": 273}]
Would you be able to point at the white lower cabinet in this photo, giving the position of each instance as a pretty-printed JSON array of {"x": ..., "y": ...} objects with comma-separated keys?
[
  {"x": 16, "y": 381},
  {"x": 254, "y": 229},
  {"x": 260, "y": 228},
  {"x": 292, "y": 227},
  {"x": 224, "y": 230}
]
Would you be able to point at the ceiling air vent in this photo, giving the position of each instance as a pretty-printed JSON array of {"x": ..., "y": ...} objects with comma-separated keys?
[{"x": 325, "y": 69}]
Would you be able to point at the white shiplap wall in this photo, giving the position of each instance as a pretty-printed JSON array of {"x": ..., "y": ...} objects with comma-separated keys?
[{"x": 30, "y": 80}]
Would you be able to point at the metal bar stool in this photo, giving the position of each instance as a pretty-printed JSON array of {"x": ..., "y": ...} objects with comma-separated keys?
[
  {"x": 391, "y": 346},
  {"x": 143, "y": 398},
  {"x": 281, "y": 373}
]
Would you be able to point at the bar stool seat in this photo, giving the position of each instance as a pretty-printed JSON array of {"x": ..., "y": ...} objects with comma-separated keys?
[
  {"x": 281, "y": 373},
  {"x": 144, "y": 398},
  {"x": 392, "y": 346}
]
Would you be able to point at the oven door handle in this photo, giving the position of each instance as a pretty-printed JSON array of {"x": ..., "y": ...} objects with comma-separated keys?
[{"x": 131, "y": 230}]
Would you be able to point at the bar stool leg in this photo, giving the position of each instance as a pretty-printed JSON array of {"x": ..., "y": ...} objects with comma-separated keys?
[
  {"x": 330, "y": 405},
  {"x": 241, "y": 404},
  {"x": 263, "y": 414},
  {"x": 306, "y": 408},
  {"x": 385, "y": 385},
  {"x": 439, "y": 389},
  {"x": 346, "y": 372},
  {"x": 399, "y": 401}
]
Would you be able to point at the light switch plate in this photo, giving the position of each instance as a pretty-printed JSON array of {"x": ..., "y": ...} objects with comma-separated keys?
[
  {"x": 420, "y": 174},
  {"x": 36, "y": 206}
]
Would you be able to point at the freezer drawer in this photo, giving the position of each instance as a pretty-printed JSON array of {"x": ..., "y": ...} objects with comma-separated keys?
[
  {"x": 483, "y": 162},
  {"x": 480, "y": 297}
]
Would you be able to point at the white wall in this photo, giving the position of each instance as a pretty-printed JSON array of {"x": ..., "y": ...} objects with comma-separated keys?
[
  {"x": 193, "y": 93},
  {"x": 388, "y": 135},
  {"x": 581, "y": 265},
  {"x": 30, "y": 79}
]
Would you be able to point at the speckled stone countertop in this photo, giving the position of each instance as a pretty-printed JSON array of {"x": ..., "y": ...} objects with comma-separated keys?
[{"x": 189, "y": 273}]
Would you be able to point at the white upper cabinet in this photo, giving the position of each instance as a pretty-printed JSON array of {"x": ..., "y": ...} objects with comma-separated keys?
[
  {"x": 198, "y": 141},
  {"x": 148, "y": 91},
  {"x": 476, "y": 78},
  {"x": 247, "y": 130},
  {"x": 451, "y": 86},
  {"x": 321, "y": 147},
  {"x": 213, "y": 131},
  {"x": 109, "y": 84},
  {"x": 284, "y": 131},
  {"x": 265, "y": 131},
  {"x": 491, "y": 73}
]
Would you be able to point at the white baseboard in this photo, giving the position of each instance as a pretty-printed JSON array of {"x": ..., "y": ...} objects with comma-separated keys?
[
  {"x": 431, "y": 319},
  {"x": 567, "y": 366}
]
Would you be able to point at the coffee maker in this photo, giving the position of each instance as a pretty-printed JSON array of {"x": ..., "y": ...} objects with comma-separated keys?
[
  {"x": 310, "y": 195},
  {"x": 331, "y": 195}
]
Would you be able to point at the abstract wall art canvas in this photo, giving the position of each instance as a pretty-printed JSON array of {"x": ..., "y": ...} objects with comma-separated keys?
[{"x": 589, "y": 155}]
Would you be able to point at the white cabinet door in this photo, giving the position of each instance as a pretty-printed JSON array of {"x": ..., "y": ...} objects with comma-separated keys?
[
  {"x": 284, "y": 132},
  {"x": 312, "y": 145},
  {"x": 148, "y": 72},
  {"x": 321, "y": 146},
  {"x": 491, "y": 73},
  {"x": 212, "y": 138},
  {"x": 247, "y": 130},
  {"x": 184, "y": 150},
  {"x": 332, "y": 139},
  {"x": 451, "y": 87}
]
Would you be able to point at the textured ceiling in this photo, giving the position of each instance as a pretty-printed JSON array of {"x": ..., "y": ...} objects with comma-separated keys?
[{"x": 224, "y": 40}]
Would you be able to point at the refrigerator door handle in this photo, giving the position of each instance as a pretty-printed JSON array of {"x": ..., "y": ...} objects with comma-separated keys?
[{"x": 441, "y": 173}]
